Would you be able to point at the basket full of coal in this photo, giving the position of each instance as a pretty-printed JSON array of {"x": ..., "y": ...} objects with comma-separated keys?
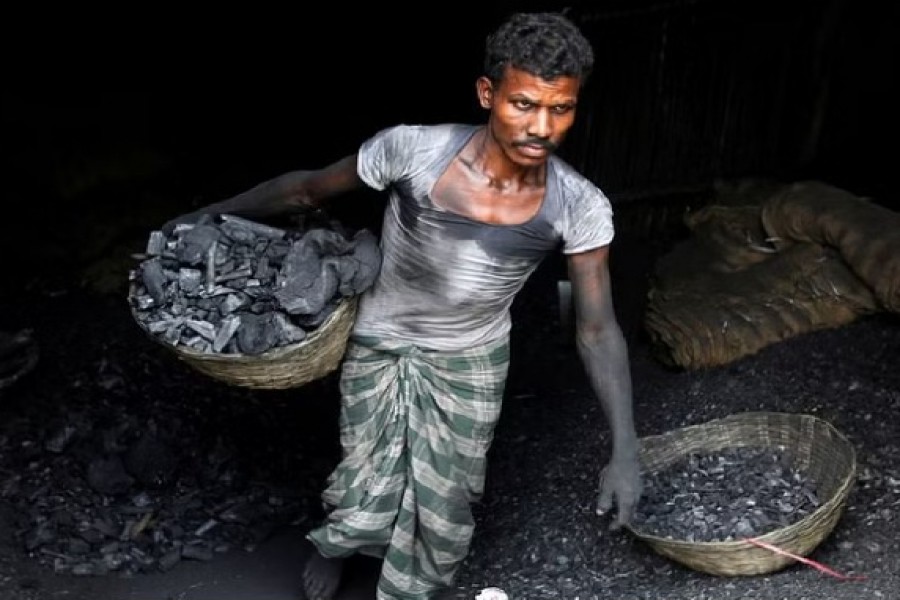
[
  {"x": 747, "y": 494},
  {"x": 252, "y": 304}
]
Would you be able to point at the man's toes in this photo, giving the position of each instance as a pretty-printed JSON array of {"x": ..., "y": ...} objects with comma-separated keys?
[
  {"x": 312, "y": 587},
  {"x": 321, "y": 578}
]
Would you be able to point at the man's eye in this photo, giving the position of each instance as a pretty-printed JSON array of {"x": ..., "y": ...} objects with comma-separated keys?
[
  {"x": 523, "y": 104},
  {"x": 562, "y": 109}
]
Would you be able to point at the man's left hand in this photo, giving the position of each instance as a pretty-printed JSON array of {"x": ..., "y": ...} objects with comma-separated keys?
[{"x": 620, "y": 484}]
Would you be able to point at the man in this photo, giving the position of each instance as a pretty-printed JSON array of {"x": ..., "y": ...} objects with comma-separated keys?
[{"x": 472, "y": 211}]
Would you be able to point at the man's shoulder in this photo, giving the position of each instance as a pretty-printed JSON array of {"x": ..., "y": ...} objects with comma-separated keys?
[
  {"x": 571, "y": 182},
  {"x": 419, "y": 145},
  {"x": 401, "y": 151},
  {"x": 433, "y": 132},
  {"x": 564, "y": 170}
]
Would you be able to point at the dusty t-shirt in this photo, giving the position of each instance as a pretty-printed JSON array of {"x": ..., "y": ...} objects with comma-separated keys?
[{"x": 447, "y": 281}]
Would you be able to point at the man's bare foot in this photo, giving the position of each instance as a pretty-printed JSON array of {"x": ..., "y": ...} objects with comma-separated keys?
[{"x": 321, "y": 576}]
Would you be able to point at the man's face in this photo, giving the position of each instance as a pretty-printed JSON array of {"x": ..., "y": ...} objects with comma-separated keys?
[{"x": 530, "y": 116}]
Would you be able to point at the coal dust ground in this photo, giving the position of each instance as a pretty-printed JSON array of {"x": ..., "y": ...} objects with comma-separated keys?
[{"x": 537, "y": 534}]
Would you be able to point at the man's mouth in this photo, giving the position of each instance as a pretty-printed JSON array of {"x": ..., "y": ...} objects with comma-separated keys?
[
  {"x": 531, "y": 150},
  {"x": 535, "y": 147}
]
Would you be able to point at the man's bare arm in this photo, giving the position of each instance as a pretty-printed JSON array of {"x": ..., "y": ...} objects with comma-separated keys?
[
  {"x": 602, "y": 348},
  {"x": 289, "y": 192}
]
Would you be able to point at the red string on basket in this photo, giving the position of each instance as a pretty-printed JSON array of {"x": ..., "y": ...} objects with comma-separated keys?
[{"x": 816, "y": 565}]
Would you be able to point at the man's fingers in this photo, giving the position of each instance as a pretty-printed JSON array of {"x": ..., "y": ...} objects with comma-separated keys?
[
  {"x": 623, "y": 517},
  {"x": 605, "y": 496},
  {"x": 627, "y": 504}
]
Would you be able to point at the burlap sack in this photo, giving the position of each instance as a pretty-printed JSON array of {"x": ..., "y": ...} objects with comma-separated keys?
[
  {"x": 714, "y": 319},
  {"x": 866, "y": 234},
  {"x": 805, "y": 257}
]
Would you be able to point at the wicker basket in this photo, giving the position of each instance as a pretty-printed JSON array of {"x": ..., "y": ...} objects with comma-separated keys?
[
  {"x": 816, "y": 447},
  {"x": 283, "y": 367}
]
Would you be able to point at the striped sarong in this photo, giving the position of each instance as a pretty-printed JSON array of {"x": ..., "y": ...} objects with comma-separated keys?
[{"x": 415, "y": 430}]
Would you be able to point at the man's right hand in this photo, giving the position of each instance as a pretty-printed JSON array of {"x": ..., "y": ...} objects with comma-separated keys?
[
  {"x": 168, "y": 228},
  {"x": 620, "y": 485}
]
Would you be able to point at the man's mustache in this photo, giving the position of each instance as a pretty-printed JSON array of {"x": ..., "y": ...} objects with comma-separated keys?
[{"x": 542, "y": 142}]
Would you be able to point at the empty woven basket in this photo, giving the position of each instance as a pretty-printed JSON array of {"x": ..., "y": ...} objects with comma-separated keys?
[
  {"x": 284, "y": 367},
  {"x": 816, "y": 447}
]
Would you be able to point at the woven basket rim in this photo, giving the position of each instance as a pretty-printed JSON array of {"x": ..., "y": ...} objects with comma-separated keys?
[
  {"x": 282, "y": 367},
  {"x": 837, "y": 498},
  {"x": 31, "y": 358}
]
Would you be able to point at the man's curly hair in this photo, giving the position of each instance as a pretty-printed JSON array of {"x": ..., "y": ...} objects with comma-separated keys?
[{"x": 545, "y": 44}]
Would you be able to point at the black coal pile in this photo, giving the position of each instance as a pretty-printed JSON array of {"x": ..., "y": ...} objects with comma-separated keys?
[
  {"x": 233, "y": 286},
  {"x": 97, "y": 493},
  {"x": 731, "y": 494}
]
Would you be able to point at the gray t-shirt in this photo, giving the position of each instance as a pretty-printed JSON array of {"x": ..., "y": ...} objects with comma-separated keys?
[{"x": 447, "y": 281}]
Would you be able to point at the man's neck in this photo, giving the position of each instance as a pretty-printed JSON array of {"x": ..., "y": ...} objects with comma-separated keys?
[{"x": 484, "y": 157}]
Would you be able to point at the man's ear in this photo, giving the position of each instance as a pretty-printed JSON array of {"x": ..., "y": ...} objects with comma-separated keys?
[{"x": 485, "y": 90}]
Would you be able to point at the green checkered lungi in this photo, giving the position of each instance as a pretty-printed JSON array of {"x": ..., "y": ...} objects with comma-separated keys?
[{"x": 415, "y": 430}]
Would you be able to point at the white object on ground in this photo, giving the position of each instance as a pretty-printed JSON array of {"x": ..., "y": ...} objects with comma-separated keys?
[{"x": 492, "y": 593}]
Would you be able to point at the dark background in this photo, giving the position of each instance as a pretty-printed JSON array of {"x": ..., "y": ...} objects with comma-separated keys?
[{"x": 114, "y": 121}]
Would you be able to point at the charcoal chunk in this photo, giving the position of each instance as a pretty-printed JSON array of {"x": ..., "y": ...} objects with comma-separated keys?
[
  {"x": 154, "y": 279},
  {"x": 194, "y": 245},
  {"x": 256, "y": 334}
]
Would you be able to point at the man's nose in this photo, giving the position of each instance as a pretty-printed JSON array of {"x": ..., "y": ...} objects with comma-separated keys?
[{"x": 541, "y": 125}]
